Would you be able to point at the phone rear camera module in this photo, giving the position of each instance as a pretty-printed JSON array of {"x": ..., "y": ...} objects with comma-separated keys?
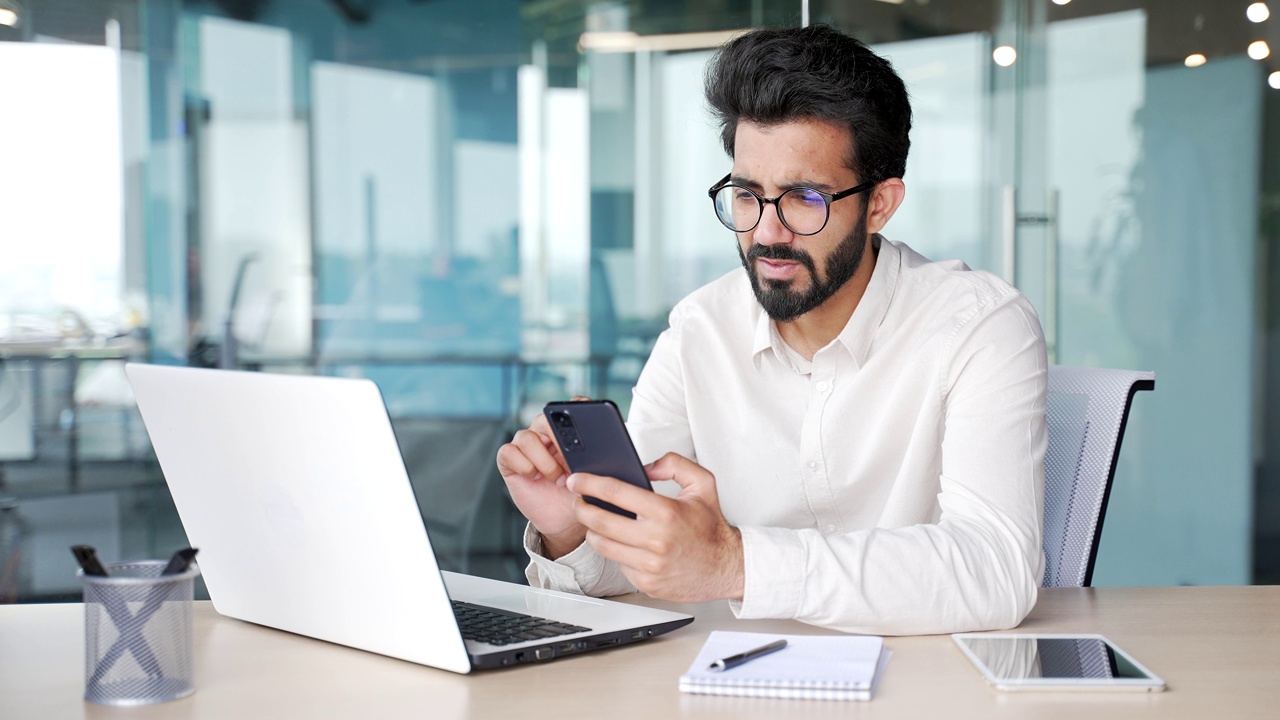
[{"x": 562, "y": 424}]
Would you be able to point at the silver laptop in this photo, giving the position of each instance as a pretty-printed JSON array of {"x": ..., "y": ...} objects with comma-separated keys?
[{"x": 294, "y": 491}]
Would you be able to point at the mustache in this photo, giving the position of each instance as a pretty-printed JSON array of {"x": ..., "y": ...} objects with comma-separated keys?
[{"x": 780, "y": 252}]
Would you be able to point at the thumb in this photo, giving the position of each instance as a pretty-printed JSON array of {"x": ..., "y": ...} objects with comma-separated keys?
[{"x": 692, "y": 477}]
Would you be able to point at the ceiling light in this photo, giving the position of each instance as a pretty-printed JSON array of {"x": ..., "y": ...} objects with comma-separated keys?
[
  {"x": 1004, "y": 55},
  {"x": 1194, "y": 60},
  {"x": 8, "y": 17},
  {"x": 1258, "y": 12},
  {"x": 1274, "y": 80},
  {"x": 1061, "y": 2},
  {"x": 1259, "y": 50},
  {"x": 626, "y": 41}
]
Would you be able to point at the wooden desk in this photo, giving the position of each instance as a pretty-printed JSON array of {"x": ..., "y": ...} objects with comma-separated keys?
[{"x": 1218, "y": 648}]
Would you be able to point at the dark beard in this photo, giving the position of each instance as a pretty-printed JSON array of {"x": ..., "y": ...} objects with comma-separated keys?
[{"x": 776, "y": 296}]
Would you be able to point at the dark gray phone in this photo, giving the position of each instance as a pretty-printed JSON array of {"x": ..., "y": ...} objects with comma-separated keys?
[{"x": 594, "y": 439}]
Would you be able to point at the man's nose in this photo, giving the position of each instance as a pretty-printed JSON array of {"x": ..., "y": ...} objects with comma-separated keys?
[{"x": 770, "y": 230}]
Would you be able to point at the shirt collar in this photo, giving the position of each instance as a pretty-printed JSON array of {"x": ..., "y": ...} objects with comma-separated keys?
[
  {"x": 867, "y": 317},
  {"x": 861, "y": 329},
  {"x": 766, "y": 336}
]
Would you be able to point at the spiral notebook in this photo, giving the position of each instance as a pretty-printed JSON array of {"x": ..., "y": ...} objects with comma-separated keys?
[{"x": 816, "y": 667}]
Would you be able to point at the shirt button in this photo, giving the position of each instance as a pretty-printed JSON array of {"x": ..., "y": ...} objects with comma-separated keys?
[
  {"x": 830, "y": 528},
  {"x": 813, "y": 464},
  {"x": 821, "y": 386}
]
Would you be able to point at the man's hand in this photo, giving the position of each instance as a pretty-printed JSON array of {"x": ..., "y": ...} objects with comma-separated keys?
[
  {"x": 535, "y": 472},
  {"x": 678, "y": 549}
]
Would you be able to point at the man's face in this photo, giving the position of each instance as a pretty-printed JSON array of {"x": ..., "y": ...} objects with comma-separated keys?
[{"x": 794, "y": 274}]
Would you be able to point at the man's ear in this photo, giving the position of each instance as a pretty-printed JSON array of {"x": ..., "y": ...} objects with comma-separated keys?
[{"x": 885, "y": 199}]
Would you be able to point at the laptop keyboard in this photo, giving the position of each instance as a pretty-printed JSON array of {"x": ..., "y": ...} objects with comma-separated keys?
[{"x": 501, "y": 627}]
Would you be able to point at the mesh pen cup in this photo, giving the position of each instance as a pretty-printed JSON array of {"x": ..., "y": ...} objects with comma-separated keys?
[{"x": 138, "y": 646}]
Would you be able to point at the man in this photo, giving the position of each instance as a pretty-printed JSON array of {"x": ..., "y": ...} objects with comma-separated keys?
[{"x": 858, "y": 434}]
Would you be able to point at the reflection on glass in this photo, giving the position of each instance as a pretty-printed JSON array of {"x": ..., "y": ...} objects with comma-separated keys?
[{"x": 1054, "y": 658}]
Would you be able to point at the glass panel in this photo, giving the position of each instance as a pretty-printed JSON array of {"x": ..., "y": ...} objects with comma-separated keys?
[
  {"x": 948, "y": 172},
  {"x": 486, "y": 206},
  {"x": 254, "y": 289},
  {"x": 74, "y": 461},
  {"x": 1156, "y": 166}
]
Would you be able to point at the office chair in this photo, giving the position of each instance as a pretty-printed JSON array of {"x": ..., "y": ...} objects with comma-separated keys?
[{"x": 1088, "y": 409}]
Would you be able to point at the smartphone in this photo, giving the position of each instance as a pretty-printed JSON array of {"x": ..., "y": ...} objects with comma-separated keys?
[
  {"x": 594, "y": 439},
  {"x": 1020, "y": 662}
]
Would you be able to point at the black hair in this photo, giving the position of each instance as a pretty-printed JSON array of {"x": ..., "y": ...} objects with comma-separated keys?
[{"x": 774, "y": 76}]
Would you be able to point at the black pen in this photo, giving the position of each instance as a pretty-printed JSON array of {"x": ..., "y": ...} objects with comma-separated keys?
[
  {"x": 88, "y": 559},
  {"x": 735, "y": 660},
  {"x": 180, "y": 561}
]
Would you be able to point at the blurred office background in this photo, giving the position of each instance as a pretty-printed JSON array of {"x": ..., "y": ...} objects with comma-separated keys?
[{"x": 485, "y": 205}]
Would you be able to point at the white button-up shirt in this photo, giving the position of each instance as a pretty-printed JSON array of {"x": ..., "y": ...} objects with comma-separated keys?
[{"x": 892, "y": 485}]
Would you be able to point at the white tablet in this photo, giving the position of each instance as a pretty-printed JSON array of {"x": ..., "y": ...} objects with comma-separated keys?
[{"x": 1019, "y": 662}]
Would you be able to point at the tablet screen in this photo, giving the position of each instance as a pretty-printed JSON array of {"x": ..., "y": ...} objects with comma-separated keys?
[{"x": 1025, "y": 661}]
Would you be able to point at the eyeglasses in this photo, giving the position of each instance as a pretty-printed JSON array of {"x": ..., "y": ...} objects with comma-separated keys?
[{"x": 804, "y": 211}]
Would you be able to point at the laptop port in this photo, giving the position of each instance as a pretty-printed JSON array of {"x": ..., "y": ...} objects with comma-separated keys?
[
  {"x": 606, "y": 643},
  {"x": 637, "y": 634},
  {"x": 564, "y": 647},
  {"x": 519, "y": 657},
  {"x": 545, "y": 653}
]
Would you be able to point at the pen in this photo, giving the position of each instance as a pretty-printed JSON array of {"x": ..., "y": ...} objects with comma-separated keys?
[
  {"x": 88, "y": 559},
  {"x": 735, "y": 660},
  {"x": 180, "y": 561}
]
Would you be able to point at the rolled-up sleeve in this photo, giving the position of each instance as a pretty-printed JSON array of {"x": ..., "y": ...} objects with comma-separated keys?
[{"x": 581, "y": 571}]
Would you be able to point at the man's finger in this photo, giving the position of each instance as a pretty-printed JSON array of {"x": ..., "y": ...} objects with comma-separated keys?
[
  {"x": 622, "y": 553},
  {"x": 607, "y": 523},
  {"x": 513, "y": 462},
  {"x": 534, "y": 447},
  {"x": 640, "y": 501}
]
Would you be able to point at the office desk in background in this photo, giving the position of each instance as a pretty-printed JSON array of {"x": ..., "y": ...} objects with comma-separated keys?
[
  {"x": 39, "y": 356},
  {"x": 1217, "y": 648}
]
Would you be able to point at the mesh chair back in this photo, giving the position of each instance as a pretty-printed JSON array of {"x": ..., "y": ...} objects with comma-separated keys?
[{"x": 1088, "y": 409}]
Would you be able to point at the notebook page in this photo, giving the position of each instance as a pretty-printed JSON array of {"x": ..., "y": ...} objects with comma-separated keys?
[{"x": 808, "y": 662}]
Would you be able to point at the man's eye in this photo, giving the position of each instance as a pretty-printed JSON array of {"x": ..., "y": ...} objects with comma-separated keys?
[{"x": 808, "y": 198}]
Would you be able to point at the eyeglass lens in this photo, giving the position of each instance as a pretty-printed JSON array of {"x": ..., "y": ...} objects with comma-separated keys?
[{"x": 802, "y": 210}]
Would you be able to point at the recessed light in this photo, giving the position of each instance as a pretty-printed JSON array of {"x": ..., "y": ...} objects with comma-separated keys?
[
  {"x": 8, "y": 17},
  {"x": 1004, "y": 55},
  {"x": 1259, "y": 50},
  {"x": 1258, "y": 12},
  {"x": 1274, "y": 80},
  {"x": 1194, "y": 60}
]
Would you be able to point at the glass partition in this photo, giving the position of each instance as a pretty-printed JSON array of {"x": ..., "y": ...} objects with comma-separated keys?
[{"x": 486, "y": 206}]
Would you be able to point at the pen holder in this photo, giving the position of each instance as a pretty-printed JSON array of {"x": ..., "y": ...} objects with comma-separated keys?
[{"x": 138, "y": 645}]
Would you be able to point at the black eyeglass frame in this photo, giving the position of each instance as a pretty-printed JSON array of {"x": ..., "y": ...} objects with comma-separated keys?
[{"x": 762, "y": 201}]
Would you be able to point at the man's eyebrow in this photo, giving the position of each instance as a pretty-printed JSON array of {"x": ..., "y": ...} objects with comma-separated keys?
[{"x": 811, "y": 184}]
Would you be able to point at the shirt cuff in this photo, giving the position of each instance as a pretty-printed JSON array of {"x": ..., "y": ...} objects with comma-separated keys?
[
  {"x": 572, "y": 572},
  {"x": 774, "y": 563}
]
